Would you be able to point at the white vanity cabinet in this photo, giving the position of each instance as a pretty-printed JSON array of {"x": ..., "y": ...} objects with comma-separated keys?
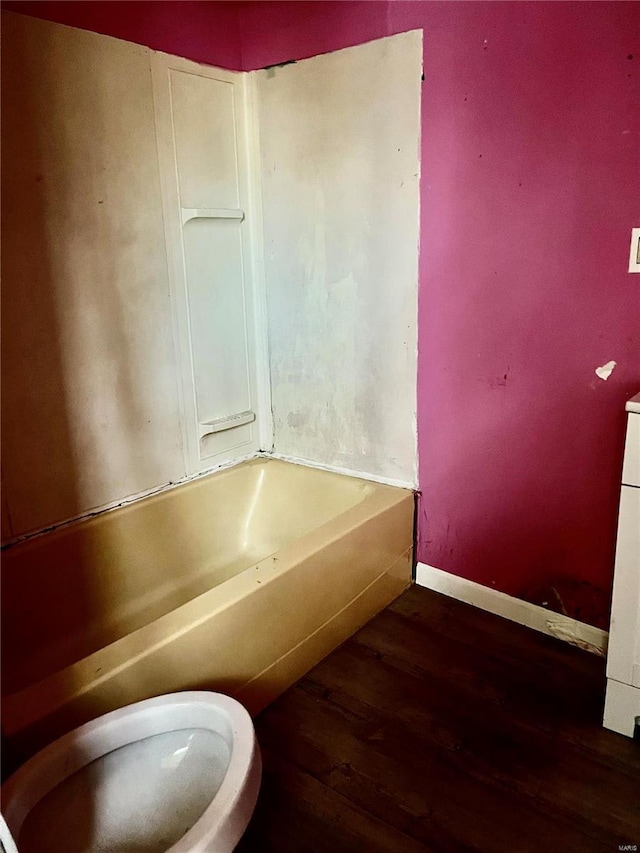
[{"x": 622, "y": 705}]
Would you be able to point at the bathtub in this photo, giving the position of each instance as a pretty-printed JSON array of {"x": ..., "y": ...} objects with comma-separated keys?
[{"x": 238, "y": 582}]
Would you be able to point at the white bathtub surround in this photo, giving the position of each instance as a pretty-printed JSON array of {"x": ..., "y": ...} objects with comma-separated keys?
[
  {"x": 339, "y": 150},
  {"x": 135, "y": 243},
  {"x": 524, "y": 613},
  {"x": 90, "y": 407}
]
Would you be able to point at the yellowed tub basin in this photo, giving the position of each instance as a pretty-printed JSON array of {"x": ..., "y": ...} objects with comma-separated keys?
[{"x": 237, "y": 582}]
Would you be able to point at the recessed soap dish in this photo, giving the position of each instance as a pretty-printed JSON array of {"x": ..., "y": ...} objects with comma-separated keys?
[{"x": 222, "y": 424}]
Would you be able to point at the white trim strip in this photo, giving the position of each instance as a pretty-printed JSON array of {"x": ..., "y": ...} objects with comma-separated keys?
[{"x": 523, "y": 612}]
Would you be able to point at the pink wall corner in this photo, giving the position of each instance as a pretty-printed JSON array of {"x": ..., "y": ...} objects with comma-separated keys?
[
  {"x": 274, "y": 32},
  {"x": 199, "y": 30}
]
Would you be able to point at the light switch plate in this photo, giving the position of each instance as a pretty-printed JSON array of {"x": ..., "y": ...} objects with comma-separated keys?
[{"x": 634, "y": 253}]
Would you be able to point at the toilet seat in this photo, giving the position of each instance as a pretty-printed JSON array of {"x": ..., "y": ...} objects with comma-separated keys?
[{"x": 223, "y": 821}]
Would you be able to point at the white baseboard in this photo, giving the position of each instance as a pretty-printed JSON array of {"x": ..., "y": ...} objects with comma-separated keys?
[{"x": 532, "y": 615}]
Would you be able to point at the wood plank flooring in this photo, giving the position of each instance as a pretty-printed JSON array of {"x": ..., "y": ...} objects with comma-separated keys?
[{"x": 442, "y": 728}]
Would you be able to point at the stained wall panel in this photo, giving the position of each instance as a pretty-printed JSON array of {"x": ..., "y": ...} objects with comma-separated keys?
[
  {"x": 90, "y": 410},
  {"x": 339, "y": 138}
]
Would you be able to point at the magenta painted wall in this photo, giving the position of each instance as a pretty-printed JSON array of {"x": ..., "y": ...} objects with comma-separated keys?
[
  {"x": 530, "y": 168},
  {"x": 530, "y": 189},
  {"x": 200, "y": 30}
]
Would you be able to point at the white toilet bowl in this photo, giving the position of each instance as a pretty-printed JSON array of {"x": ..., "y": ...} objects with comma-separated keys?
[{"x": 176, "y": 774}]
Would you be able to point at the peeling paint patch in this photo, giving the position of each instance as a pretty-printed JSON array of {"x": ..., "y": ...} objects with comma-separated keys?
[
  {"x": 570, "y": 598},
  {"x": 606, "y": 370},
  {"x": 563, "y": 631}
]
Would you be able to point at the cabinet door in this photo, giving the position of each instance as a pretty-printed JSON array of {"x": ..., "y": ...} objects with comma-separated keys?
[{"x": 624, "y": 636}]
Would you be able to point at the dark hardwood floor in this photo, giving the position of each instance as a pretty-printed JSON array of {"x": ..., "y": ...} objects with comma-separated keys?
[{"x": 439, "y": 727}]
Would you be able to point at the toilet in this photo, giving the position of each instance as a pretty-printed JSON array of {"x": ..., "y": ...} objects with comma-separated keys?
[{"x": 175, "y": 774}]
